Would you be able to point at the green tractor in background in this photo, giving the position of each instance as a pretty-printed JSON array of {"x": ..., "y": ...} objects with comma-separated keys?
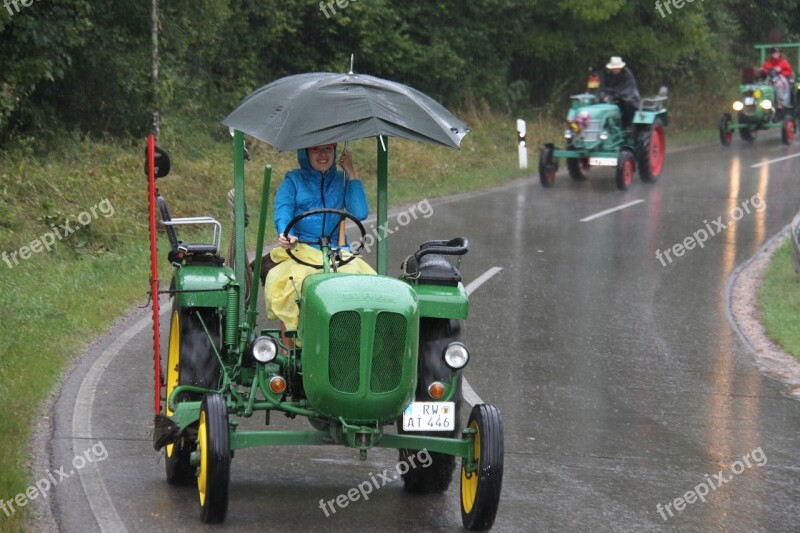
[
  {"x": 595, "y": 136},
  {"x": 756, "y": 107}
]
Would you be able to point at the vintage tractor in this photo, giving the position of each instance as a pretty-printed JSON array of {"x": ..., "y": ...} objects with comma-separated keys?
[
  {"x": 596, "y": 137},
  {"x": 371, "y": 353},
  {"x": 757, "y": 107}
]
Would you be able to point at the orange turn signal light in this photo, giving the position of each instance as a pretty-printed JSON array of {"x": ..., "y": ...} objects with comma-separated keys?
[
  {"x": 436, "y": 390},
  {"x": 277, "y": 384}
]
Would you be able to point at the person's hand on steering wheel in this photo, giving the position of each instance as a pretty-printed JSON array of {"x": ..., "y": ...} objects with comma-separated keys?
[{"x": 287, "y": 243}]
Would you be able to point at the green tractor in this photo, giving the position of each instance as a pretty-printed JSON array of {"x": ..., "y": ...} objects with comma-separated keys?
[
  {"x": 757, "y": 106},
  {"x": 376, "y": 361},
  {"x": 596, "y": 137}
]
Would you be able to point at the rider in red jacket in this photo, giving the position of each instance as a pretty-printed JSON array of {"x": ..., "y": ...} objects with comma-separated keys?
[{"x": 779, "y": 63}]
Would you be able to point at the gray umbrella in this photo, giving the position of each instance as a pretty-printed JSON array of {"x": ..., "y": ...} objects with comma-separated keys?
[{"x": 324, "y": 107}]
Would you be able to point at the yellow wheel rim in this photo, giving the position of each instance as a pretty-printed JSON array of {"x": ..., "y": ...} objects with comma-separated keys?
[
  {"x": 202, "y": 447},
  {"x": 469, "y": 485},
  {"x": 173, "y": 360}
]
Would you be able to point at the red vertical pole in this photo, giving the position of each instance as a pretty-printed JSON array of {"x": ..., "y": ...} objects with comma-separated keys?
[{"x": 154, "y": 272}]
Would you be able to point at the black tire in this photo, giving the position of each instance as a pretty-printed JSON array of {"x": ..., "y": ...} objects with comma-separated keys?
[
  {"x": 651, "y": 146},
  {"x": 625, "y": 169},
  {"x": 435, "y": 335},
  {"x": 548, "y": 166},
  {"x": 480, "y": 491},
  {"x": 578, "y": 168},
  {"x": 747, "y": 134},
  {"x": 725, "y": 133},
  {"x": 214, "y": 473},
  {"x": 196, "y": 365},
  {"x": 788, "y": 130}
]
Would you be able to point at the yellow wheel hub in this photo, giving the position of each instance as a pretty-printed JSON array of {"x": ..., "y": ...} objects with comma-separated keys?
[
  {"x": 469, "y": 480},
  {"x": 173, "y": 360},
  {"x": 202, "y": 447}
]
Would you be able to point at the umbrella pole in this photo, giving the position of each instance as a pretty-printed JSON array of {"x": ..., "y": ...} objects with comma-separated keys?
[
  {"x": 342, "y": 235},
  {"x": 383, "y": 201}
]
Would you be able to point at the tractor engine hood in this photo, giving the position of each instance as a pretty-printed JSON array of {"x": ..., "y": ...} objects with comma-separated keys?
[{"x": 360, "y": 335}]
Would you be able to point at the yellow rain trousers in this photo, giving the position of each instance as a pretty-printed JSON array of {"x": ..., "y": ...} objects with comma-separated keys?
[{"x": 280, "y": 293}]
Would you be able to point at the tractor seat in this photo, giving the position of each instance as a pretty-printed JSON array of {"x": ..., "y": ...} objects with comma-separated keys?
[
  {"x": 436, "y": 270},
  {"x": 196, "y": 253}
]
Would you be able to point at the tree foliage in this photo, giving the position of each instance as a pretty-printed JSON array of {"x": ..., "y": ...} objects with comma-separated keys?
[{"x": 84, "y": 65}]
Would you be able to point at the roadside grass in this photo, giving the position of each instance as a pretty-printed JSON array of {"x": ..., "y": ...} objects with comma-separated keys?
[{"x": 779, "y": 301}]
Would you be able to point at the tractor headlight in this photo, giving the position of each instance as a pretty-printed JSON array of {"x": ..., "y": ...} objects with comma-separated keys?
[
  {"x": 604, "y": 135},
  {"x": 456, "y": 355},
  {"x": 738, "y": 106},
  {"x": 766, "y": 105},
  {"x": 264, "y": 349},
  {"x": 568, "y": 134}
]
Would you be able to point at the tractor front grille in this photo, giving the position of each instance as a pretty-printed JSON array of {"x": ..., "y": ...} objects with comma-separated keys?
[
  {"x": 749, "y": 110},
  {"x": 344, "y": 351},
  {"x": 387, "y": 352},
  {"x": 592, "y": 131}
]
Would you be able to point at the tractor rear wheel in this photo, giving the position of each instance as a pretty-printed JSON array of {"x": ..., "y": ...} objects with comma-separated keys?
[
  {"x": 190, "y": 361},
  {"x": 434, "y": 335},
  {"x": 747, "y": 134},
  {"x": 651, "y": 147},
  {"x": 578, "y": 168}
]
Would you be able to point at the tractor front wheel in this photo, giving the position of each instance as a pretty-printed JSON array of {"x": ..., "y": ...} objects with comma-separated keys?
[
  {"x": 548, "y": 166},
  {"x": 480, "y": 489},
  {"x": 213, "y": 446},
  {"x": 725, "y": 132},
  {"x": 788, "y": 130},
  {"x": 625, "y": 169}
]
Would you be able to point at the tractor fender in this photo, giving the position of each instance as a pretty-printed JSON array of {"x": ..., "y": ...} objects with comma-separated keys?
[
  {"x": 649, "y": 117},
  {"x": 210, "y": 282}
]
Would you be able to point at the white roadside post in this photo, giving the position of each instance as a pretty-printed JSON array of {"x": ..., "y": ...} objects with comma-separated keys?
[{"x": 523, "y": 149}]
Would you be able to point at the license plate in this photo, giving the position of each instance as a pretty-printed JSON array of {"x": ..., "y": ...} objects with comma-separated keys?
[
  {"x": 603, "y": 161},
  {"x": 749, "y": 100},
  {"x": 429, "y": 416}
]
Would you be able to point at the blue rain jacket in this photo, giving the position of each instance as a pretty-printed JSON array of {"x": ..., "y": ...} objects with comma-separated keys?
[{"x": 304, "y": 189}]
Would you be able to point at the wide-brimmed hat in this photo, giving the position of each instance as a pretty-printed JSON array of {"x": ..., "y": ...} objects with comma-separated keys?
[{"x": 616, "y": 62}]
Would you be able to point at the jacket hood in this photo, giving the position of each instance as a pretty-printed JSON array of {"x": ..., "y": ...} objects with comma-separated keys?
[{"x": 305, "y": 164}]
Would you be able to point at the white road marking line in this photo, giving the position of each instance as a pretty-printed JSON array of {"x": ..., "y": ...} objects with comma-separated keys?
[
  {"x": 607, "y": 211},
  {"x": 467, "y": 392},
  {"x": 93, "y": 485},
  {"x": 480, "y": 280},
  {"x": 770, "y": 161}
]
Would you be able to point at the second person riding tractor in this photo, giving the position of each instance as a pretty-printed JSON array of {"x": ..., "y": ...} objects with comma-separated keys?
[
  {"x": 621, "y": 132},
  {"x": 768, "y": 98}
]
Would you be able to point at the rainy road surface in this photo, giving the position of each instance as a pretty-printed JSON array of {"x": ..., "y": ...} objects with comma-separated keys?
[{"x": 625, "y": 392}]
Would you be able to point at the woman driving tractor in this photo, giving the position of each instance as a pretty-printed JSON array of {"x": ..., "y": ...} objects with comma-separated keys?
[{"x": 317, "y": 184}]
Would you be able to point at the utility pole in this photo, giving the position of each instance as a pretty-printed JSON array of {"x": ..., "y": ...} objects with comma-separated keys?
[{"x": 154, "y": 66}]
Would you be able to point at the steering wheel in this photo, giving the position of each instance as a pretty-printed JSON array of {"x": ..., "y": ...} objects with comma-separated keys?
[
  {"x": 611, "y": 94},
  {"x": 324, "y": 240}
]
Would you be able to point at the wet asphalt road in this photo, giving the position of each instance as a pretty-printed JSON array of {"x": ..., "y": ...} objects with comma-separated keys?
[{"x": 621, "y": 381}]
